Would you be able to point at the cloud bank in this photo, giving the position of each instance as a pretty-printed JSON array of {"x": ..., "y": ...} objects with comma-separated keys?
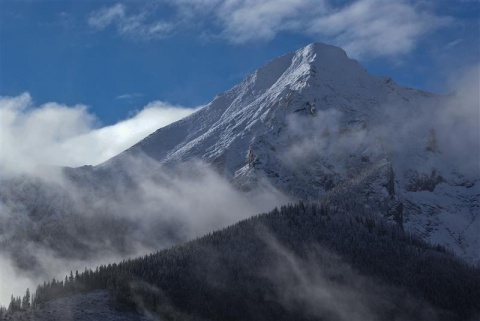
[
  {"x": 362, "y": 27},
  {"x": 398, "y": 129},
  {"x": 49, "y": 228},
  {"x": 79, "y": 218},
  {"x": 55, "y": 134}
]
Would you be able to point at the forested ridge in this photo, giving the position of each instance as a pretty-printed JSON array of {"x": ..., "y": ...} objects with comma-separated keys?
[{"x": 277, "y": 266}]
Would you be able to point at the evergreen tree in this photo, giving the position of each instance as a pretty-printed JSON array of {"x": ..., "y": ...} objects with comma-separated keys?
[
  {"x": 26, "y": 300},
  {"x": 11, "y": 306}
]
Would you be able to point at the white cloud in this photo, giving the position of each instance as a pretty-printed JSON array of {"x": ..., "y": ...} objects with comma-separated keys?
[
  {"x": 194, "y": 199},
  {"x": 56, "y": 134},
  {"x": 134, "y": 26},
  {"x": 245, "y": 21},
  {"x": 106, "y": 142},
  {"x": 373, "y": 27},
  {"x": 102, "y": 18},
  {"x": 362, "y": 27},
  {"x": 128, "y": 96},
  {"x": 377, "y": 27}
]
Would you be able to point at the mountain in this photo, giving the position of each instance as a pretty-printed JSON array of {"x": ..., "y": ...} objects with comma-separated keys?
[
  {"x": 312, "y": 125},
  {"x": 367, "y": 138}
]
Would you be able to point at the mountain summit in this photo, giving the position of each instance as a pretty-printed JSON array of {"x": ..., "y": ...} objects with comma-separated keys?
[
  {"x": 315, "y": 124},
  {"x": 312, "y": 125},
  {"x": 230, "y": 126}
]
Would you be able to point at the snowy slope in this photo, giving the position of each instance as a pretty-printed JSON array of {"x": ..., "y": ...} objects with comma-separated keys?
[{"x": 367, "y": 138}]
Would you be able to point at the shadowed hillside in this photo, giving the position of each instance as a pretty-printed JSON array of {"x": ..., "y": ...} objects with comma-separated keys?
[{"x": 302, "y": 262}]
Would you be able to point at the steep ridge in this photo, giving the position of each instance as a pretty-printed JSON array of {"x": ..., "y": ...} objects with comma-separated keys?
[{"x": 365, "y": 138}]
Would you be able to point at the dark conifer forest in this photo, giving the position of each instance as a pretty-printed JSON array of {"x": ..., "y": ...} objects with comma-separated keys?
[{"x": 299, "y": 262}]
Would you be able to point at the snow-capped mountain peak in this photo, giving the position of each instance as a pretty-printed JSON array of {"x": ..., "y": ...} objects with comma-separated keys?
[
  {"x": 315, "y": 125},
  {"x": 315, "y": 122},
  {"x": 312, "y": 125}
]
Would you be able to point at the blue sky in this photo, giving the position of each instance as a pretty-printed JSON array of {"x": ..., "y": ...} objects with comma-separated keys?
[{"x": 112, "y": 59}]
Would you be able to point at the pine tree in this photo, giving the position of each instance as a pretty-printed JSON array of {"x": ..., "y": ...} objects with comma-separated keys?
[
  {"x": 11, "y": 306},
  {"x": 26, "y": 300},
  {"x": 18, "y": 304}
]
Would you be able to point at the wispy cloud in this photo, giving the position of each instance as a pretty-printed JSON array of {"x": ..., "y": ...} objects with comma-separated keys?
[
  {"x": 322, "y": 286},
  {"x": 362, "y": 27},
  {"x": 128, "y": 97},
  {"x": 102, "y": 18},
  {"x": 377, "y": 27},
  {"x": 131, "y": 25},
  {"x": 56, "y": 134}
]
